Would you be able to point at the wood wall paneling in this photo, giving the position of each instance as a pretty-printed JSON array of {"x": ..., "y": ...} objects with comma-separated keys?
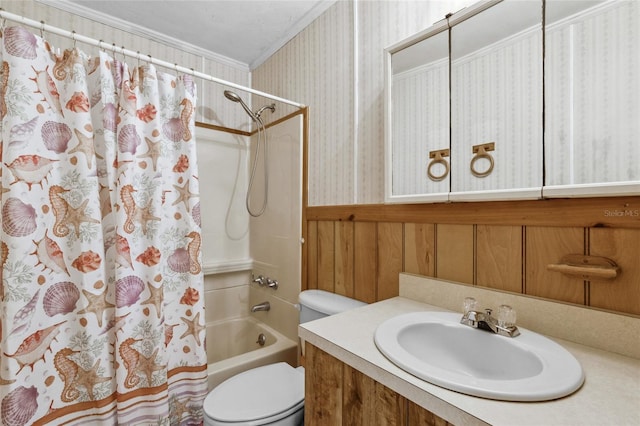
[
  {"x": 366, "y": 264},
  {"x": 359, "y": 250},
  {"x": 547, "y": 245},
  {"x": 454, "y": 252},
  {"x": 326, "y": 255},
  {"x": 623, "y": 292},
  {"x": 311, "y": 247},
  {"x": 577, "y": 212},
  {"x": 419, "y": 248},
  {"x": 344, "y": 258},
  {"x": 499, "y": 257},
  {"x": 390, "y": 259}
]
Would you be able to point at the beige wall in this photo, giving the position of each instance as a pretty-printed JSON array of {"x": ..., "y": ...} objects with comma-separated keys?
[
  {"x": 275, "y": 236},
  {"x": 336, "y": 67}
]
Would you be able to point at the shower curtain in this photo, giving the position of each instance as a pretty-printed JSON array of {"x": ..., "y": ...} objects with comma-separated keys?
[{"x": 102, "y": 319}]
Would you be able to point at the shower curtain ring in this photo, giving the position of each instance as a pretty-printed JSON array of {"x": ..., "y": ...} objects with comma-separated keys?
[
  {"x": 73, "y": 37},
  {"x": 42, "y": 29}
]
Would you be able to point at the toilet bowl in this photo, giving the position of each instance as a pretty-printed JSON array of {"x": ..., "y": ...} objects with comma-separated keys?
[
  {"x": 269, "y": 395},
  {"x": 272, "y": 394}
]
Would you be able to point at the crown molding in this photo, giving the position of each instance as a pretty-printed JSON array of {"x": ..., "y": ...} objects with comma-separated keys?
[
  {"x": 315, "y": 12},
  {"x": 146, "y": 33}
]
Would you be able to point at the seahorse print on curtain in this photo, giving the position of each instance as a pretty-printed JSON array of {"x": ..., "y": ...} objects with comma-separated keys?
[{"x": 101, "y": 319}]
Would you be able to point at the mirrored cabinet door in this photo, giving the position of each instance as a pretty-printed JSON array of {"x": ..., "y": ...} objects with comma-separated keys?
[
  {"x": 496, "y": 103},
  {"x": 419, "y": 121},
  {"x": 592, "y": 92}
]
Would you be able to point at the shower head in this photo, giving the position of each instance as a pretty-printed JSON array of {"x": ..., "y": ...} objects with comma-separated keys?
[
  {"x": 272, "y": 107},
  {"x": 232, "y": 96}
]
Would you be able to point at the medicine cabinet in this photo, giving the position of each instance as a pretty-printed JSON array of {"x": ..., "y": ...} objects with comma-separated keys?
[
  {"x": 592, "y": 98},
  {"x": 516, "y": 99}
]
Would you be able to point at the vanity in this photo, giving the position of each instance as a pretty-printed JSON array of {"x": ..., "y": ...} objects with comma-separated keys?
[{"x": 349, "y": 381}]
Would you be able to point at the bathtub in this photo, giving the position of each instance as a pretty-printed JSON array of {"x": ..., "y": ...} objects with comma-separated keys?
[{"x": 232, "y": 348}]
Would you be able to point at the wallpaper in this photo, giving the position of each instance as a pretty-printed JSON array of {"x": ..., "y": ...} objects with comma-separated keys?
[{"x": 336, "y": 67}]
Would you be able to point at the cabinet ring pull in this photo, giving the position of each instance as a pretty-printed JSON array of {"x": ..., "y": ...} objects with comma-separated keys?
[
  {"x": 481, "y": 152},
  {"x": 438, "y": 158}
]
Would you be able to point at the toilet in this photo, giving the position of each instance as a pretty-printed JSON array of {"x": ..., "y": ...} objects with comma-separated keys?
[{"x": 272, "y": 394}]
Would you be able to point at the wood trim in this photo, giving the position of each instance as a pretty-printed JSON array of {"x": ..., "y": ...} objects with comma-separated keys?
[
  {"x": 305, "y": 200},
  {"x": 603, "y": 212},
  {"x": 222, "y": 129},
  {"x": 302, "y": 111}
]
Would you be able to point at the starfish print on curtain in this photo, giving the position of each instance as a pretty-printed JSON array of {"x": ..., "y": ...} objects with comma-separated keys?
[{"x": 100, "y": 309}]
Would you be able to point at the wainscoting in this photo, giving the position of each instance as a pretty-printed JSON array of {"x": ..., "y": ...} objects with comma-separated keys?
[{"x": 358, "y": 250}]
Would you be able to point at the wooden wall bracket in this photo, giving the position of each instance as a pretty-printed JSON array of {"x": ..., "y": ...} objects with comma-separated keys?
[{"x": 586, "y": 267}]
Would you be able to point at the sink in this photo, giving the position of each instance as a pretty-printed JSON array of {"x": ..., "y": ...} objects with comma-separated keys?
[{"x": 435, "y": 347}]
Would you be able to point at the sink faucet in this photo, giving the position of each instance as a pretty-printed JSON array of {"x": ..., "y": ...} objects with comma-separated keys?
[
  {"x": 264, "y": 306},
  {"x": 504, "y": 324}
]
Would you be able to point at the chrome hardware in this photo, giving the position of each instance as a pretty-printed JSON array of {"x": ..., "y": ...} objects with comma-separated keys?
[
  {"x": 264, "y": 306},
  {"x": 260, "y": 280},
  {"x": 262, "y": 339},
  {"x": 272, "y": 283},
  {"x": 263, "y": 281},
  {"x": 504, "y": 324}
]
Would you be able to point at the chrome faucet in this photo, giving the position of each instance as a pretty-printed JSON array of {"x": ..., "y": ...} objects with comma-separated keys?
[
  {"x": 260, "y": 280},
  {"x": 264, "y": 306},
  {"x": 504, "y": 324}
]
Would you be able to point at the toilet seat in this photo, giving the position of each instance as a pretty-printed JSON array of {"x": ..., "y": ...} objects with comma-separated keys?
[{"x": 258, "y": 396}]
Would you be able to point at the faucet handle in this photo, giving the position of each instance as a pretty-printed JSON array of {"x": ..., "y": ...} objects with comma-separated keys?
[
  {"x": 469, "y": 304},
  {"x": 260, "y": 280},
  {"x": 506, "y": 316},
  {"x": 272, "y": 283}
]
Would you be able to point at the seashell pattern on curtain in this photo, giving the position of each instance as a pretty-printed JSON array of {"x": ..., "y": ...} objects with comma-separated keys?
[{"x": 101, "y": 319}]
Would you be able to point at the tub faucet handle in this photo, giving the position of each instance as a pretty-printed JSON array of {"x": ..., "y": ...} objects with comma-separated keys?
[
  {"x": 260, "y": 280},
  {"x": 272, "y": 283}
]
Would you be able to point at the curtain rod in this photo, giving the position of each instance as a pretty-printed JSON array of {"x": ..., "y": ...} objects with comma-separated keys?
[{"x": 102, "y": 45}]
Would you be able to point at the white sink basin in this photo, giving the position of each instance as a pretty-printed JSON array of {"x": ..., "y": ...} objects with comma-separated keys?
[{"x": 435, "y": 347}]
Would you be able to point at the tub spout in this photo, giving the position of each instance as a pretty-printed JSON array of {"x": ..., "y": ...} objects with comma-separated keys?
[{"x": 264, "y": 306}]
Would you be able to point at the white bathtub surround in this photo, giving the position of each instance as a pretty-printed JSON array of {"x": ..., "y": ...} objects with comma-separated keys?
[
  {"x": 226, "y": 296},
  {"x": 609, "y": 395},
  {"x": 232, "y": 348},
  {"x": 275, "y": 236},
  {"x": 283, "y": 315}
]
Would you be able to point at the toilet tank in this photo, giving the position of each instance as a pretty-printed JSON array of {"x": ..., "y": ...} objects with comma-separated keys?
[{"x": 315, "y": 304}]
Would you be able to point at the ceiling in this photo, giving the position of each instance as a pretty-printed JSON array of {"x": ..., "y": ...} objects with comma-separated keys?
[{"x": 245, "y": 31}]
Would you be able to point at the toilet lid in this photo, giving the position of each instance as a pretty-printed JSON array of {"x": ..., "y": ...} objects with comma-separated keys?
[{"x": 255, "y": 394}]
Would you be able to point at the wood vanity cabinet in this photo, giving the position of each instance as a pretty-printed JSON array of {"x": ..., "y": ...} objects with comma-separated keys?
[{"x": 337, "y": 394}]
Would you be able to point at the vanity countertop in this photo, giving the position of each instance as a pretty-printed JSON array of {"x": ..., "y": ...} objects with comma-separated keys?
[{"x": 609, "y": 396}]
